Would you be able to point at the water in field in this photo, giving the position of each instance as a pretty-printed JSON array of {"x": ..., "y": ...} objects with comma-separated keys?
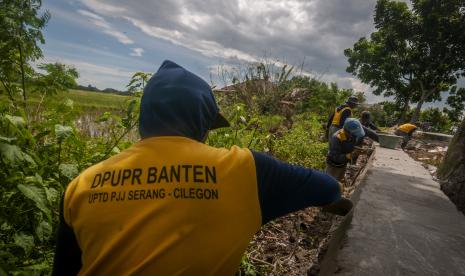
[{"x": 88, "y": 124}]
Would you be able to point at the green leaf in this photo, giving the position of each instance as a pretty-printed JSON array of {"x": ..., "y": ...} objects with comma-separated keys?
[
  {"x": 63, "y": 132},
  {"x": 14, "y": 155},
  {"x": 105, "y": 117},
  {"x": 16, "y": 120},
  {"x": 52, "y": 195},
  {"x": 7, "y": 139},
  {"x": 43, "y": 231},
  {"x": 70, "y": 171},
  {"x": 69, "y": 103},
  {"x": 38, "y": 196},
  {"x": 38, "y": 267},
  {"x": 26, "y": 242},
  {"x": 5, "y": 227}
]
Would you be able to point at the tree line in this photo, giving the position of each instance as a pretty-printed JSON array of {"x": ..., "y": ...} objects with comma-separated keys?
[{"x": 415, "y": 55}]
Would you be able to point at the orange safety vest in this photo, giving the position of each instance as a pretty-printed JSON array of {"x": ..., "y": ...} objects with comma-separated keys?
[
  {"x": 165, "y": 206},
  {"x": 407, "y": 128},
  {"x": 337, "y": 115}
]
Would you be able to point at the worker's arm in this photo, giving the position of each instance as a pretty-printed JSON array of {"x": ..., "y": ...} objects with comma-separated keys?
[
  {"x": 373, "y": 126},
  {"x": 284, "y": 188},
  {"x": 344, "y": 115},
  {"x": 371, "y": 134},
  {"x": 410, "y": 134},
  {"x": 67, "y": 259}
]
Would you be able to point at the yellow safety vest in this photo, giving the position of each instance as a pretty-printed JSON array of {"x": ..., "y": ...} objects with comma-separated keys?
[
  {"x": 407, "y": 128},
  {"x": 337, "y": 115},
  {"x": 165, "y": 206},
  {"x": 341, "y": 135}
]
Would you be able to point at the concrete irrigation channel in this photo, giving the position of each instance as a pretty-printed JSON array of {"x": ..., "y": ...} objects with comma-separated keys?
[{"x": 402, "y": 224}]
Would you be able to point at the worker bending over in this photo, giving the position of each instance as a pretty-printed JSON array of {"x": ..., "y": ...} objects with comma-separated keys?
[
  {"x": 341, "y": 113},
  {"x": 170, "y": 204},
  {"x": 367, "y": 122},
  {"x": 342, "y": 147},
  {"x": 406, "y": 131}
]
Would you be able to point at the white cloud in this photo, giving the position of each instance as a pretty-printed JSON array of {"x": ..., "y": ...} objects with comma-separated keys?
[
  {"x": 136, "y": 52},
  {"x": 206, "y": 47},
  {"x": 105, "y": 27},
  {"x": 317, "y": 31}
]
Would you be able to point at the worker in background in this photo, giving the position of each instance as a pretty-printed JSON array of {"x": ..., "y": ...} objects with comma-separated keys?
[
  {"x": 405, "y": 131},
  {"x": 342, "y": 147},
  {"x": 170, "y": 204},
  {"x": 366, "y": 121},
  {"x": 339, "y": 116}
]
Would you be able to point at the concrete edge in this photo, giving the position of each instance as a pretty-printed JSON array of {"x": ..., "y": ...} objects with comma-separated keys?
[{"x": 329, "y": 264}]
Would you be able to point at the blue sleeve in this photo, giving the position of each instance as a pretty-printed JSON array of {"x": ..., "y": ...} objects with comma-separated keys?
[
  {"x": 345, "y": 114},
  {"x": 371, "y": 134},
  {"x": 373, "y": 126},
  {"x": 67, "y": 260},
  {"x": 284, "y": 188}
]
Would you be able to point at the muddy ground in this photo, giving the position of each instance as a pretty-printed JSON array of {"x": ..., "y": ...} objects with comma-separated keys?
[
  {"x": 295, "y": 244},
  {"x": 429, "y": 152}
]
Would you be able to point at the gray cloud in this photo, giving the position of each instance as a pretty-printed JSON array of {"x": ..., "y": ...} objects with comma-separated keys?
[{"x": 317, "y": 30}]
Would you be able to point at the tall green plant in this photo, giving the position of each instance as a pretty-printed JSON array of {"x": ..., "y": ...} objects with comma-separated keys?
[{"x": 20, "y": 31}]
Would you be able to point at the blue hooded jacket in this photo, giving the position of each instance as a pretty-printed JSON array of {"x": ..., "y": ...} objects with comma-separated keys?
[{"x": 178, "y": 103}]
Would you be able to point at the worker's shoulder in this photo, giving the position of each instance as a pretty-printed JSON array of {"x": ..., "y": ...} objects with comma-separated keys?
[
  {"x": 343, "y": 107},
  {"x": 235, "y": 152}
]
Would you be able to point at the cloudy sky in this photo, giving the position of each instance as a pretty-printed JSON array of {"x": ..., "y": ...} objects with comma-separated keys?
[{"x": 108, "y": 40}]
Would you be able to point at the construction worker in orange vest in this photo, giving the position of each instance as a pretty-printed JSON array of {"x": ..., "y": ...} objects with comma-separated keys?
[
  {"x": 172, "y": 205},
  {"x": 339, "y": 116},
  {"x": 406, "y": 131}
]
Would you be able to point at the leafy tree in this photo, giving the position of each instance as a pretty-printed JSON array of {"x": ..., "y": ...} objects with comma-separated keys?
[
  {"x": 20, "y": 30},
  {"x": 415, "y": 54},
  {"x": 138, "y": 82},
  {"x": 434, "y": 119},
  {"x": 58, "y": 77},
  {"x": 456, "y": 101}
]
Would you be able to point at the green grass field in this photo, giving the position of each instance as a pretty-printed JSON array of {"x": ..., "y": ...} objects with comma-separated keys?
[{"x": 82, "y": 99}]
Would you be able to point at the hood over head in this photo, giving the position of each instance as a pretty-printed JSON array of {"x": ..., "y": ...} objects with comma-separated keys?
[
  {"x": 176, "y": 102},
  {"x": 354, "y": 127}
]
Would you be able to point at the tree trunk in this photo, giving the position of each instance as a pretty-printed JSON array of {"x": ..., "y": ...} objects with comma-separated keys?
[
  {"x": 23, "y": 82},
  {"x": 451, "y": 173},
  {"x": 416, "y": 114},
  {"x": 10, "y": 93},
  {"x": 403, "y": 113}
]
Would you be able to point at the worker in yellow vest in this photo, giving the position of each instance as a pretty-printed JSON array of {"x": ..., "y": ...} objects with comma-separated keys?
[
  {"x": 342, "y": 147},
  {"x": 406, "y": 131},
  {"x": 339, "y": 116},
  {"x": 172, "y": 205}
]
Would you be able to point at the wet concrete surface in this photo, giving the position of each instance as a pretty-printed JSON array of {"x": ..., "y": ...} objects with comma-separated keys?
[{"x": 402, "y": 224}]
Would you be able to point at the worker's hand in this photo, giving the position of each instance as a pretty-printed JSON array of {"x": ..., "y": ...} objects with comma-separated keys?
[
  {"x": 349, "y": 156},
  {"x": 357, "y": 151},
  {"x": 340, "y": 207}
]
